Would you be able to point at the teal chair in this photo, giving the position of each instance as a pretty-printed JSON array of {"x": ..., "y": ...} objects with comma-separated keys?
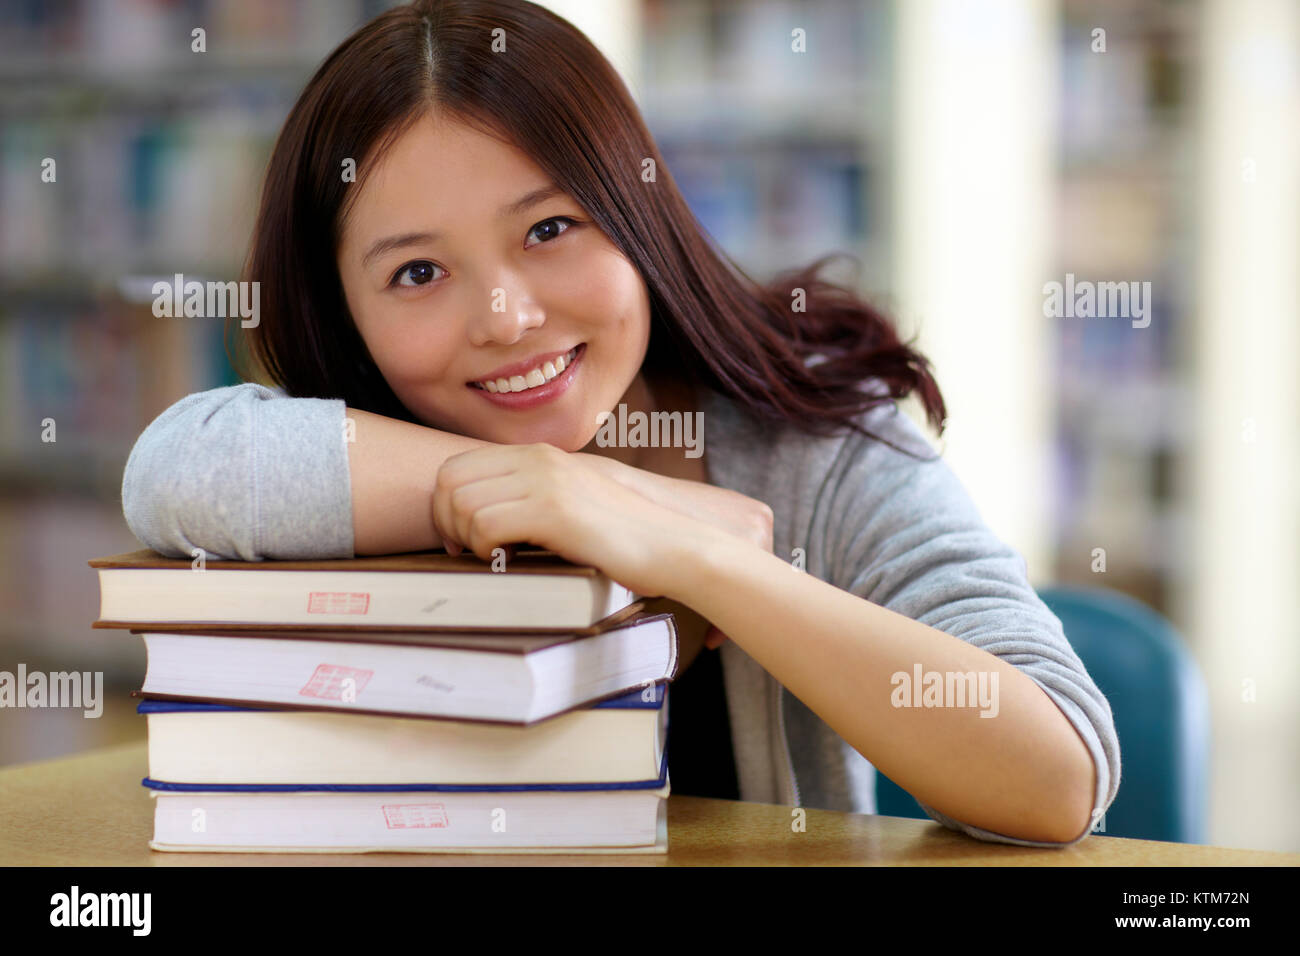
[{"x": 1161, "y": 710}]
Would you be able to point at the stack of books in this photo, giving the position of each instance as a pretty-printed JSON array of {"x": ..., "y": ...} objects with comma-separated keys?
[{"x": 418, "y": 702}]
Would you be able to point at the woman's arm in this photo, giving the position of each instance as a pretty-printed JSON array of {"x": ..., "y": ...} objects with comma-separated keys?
[
  {"x": 1025, "y": 773},
  {"x": 903, "y": 580},
  {"x": 241, "y": 472},
  {"x": 248, "y": 473},
  {"x": 394, "y": 469},
  {"x": 935, "y": 588}
]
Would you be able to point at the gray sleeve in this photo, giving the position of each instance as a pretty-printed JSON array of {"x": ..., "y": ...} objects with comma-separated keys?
[
  {"x": 245, "y": 473},
  {"x": 913, "y": 541}
]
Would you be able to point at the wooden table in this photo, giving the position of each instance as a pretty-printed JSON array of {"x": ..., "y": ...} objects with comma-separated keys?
[{"x": 90, "y": 810}]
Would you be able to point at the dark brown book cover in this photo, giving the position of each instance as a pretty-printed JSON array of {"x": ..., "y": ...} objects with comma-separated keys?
[
  {"x": 463, "y": 638},
  {"x": 521, "y": 562}
]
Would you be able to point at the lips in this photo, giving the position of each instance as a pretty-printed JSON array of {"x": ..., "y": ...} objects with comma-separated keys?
[
  {"x": 530, "y": 398},
  {"x": 522, "y": 376}
]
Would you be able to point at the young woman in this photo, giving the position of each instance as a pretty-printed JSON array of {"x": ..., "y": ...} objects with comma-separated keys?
[{"x": 469, "y": 250}]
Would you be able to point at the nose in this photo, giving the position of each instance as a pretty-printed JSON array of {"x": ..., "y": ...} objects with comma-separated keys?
[{"x": 504, "y": 316}]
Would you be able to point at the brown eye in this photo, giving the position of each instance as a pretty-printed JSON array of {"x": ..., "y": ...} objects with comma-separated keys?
[
  {"x": 553, "y": 232},
  {"x": 414, "y": 273}
]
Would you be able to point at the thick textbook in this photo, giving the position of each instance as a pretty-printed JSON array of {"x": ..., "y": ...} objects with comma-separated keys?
[
  {"x": 509, "y": 678},
  {"x": 206, "y": 746},
  {"x": 538, "y": 591}
]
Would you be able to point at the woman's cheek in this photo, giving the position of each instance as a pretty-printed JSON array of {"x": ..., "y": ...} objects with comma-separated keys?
[{"x": 418, "y": 352}]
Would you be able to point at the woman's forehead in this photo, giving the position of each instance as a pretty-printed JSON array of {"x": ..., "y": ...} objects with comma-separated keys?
[{"x": 440, "y": 161}]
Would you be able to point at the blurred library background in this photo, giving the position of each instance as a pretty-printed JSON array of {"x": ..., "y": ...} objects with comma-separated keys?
[{"x": 965, "y": 153}]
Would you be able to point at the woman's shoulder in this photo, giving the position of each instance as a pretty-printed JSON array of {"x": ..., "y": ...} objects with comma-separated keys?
[
  {"x": 849, "y": 498},
  {"x": 737, "y": 440}
]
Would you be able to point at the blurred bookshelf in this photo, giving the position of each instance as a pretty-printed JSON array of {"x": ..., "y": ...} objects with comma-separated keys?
[
  {"x": 1126, "y": 141},
  {"x": 782, "y": 155},
  {"x": 159, "y": 152}
]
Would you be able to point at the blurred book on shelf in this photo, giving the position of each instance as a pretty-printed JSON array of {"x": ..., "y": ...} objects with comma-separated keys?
[
  {"x": 1122, "y": 383},
  {"x": 125, "y": 154},
  {"x": 778, "y": 140}
]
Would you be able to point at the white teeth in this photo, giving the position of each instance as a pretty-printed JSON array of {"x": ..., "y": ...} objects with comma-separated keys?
[{"x": 538, "y": 376}]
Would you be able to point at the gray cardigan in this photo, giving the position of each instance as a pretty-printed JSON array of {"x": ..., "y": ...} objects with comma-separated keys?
[{"x": 246, "y": 472}]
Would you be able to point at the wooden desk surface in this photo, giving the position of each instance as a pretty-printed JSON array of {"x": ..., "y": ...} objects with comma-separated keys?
[{"x": 90, "y": 810}]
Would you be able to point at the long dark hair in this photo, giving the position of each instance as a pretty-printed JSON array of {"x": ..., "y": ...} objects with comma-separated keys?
[{"x": 555, "y": 97}]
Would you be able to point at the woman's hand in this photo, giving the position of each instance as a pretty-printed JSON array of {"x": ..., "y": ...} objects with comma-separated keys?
[
  {"x": 727, "y": 510},
  {"x": 498, "y": 495},
  {"x": 737, "y": 514}
]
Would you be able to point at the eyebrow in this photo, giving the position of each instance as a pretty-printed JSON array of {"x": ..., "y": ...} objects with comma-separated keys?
[{"x": 522, "y": 204}]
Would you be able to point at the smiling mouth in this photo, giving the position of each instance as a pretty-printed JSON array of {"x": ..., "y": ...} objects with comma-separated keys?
[{"x": 535, "y": 378}]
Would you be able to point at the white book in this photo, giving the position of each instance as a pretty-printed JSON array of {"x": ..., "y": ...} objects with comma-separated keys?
[
  {"x": 517, "y": 679},
  {"x": 535, "y": 591},
  {"x": 532, "y": 821},
  {"x": 623, "y": 739}
]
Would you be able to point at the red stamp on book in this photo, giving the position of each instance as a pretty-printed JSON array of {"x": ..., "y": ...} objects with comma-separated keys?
[
  {"x": 338, "y": 602},
  {"x": 335, "y": 682},
  {"x": 415, "y": 816}
]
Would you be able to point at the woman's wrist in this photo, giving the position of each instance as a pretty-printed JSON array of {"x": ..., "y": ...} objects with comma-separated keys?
[{"x": 697, "y": 565}]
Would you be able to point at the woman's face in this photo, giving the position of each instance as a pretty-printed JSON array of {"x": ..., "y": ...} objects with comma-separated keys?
[{"x": 451, "y": 287}]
